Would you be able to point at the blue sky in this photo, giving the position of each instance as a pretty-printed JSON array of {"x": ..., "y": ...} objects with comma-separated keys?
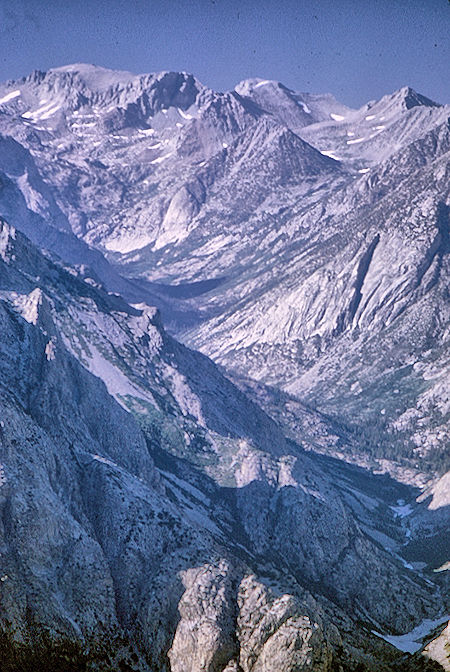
[{"x": 356, "y": 49}]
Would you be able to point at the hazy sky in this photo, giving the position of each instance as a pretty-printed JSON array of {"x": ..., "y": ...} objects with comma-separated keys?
[{"x": 356, "y": 49}]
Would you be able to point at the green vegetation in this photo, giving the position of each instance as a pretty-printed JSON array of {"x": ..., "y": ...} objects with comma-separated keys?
[{"x": 39, "y": 651}]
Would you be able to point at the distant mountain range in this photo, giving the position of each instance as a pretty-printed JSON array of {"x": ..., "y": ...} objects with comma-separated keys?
[{"x": 224, "y": 376}]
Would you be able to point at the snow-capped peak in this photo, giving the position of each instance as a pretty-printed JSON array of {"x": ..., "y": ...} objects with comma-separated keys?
[{"x": 95, "y": 77}]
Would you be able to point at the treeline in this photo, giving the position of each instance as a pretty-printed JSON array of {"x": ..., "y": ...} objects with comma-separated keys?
[
  {"x": 38, "y": 651},
  {"x": 377, "y": 441}
]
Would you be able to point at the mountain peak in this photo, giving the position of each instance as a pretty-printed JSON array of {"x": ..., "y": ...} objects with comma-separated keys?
[
  {"x": 293, "y": 108},
  {"x": 95, "y": 77},
  {"x": 99, "y": 79},
  {"x": 395, "y": 104},
  {"x": 247, "y": 85},
  {"x": 403, "y": 99},
  {"x": 412, "y": 99}
]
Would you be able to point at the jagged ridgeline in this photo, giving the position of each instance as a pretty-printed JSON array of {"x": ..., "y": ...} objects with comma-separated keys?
[{"x": 272, "y": 494}]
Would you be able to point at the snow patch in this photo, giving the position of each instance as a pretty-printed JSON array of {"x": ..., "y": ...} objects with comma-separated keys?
[
  {"x": 42, "y": 113},
  {"x": 263, "y": 83},
  {"x": 224, "y": 145},
  {"x": 9, "y": 96},
  {"x": 411, "y": 642},
  {"x": 355, "y": 141},
  {"x": 363, "y": 170},
  {"x": 370, "y": 117},
  {"x": 146, "y": 131},
  {"x": 330, "y": 153},
  {"x": 337, "y": 117},
  {"x": 160, "y": 159},
  {"x": 401, "y": 510},
  {"x": 305, "y": 107},
  {"x": 185, "y": 115},
  {"x": 51, "y": 112}
]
